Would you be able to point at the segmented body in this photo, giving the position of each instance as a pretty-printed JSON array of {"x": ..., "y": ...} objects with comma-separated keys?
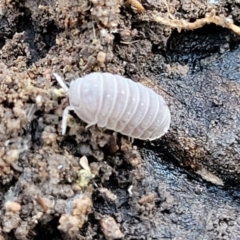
[{"x": 120, "y": 104}]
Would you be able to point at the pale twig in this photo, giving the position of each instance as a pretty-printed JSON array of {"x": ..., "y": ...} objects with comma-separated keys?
[{"x": 181, "y": 24}]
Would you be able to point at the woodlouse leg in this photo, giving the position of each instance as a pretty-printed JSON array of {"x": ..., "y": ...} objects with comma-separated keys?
[
  {"x": 65, "y": 118},
  {"x": 61, "y": 82},
  {"x": 101, "y": 129},
  {"x": 89, "y": 125},
  {"x": 131, "y": 140}
]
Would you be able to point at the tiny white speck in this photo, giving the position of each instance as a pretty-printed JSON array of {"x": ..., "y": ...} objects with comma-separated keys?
[
  {"x": 122, "y": 92},
  {"x": 130, "y": 190},
  {"x": 108, "y": 96},
  {"x": 60, "y": 167},
  {"x": 133, "y": 99},
  {"x": 213, "y": 1},
  {"x": 38, "y": 99},
  {"x": 142, "y": 104}
]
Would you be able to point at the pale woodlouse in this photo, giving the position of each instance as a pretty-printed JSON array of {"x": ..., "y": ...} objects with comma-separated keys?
[{"x": 117, "y": 103}]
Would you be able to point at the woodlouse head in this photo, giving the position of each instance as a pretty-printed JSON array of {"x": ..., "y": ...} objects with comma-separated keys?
[{"x": 74, "y": 93}]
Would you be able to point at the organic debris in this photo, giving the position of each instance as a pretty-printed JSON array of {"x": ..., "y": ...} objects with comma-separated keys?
[{"x": 181, "y": 24}]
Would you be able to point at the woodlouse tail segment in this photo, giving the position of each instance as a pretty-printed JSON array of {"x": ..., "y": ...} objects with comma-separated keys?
[{"x": 61, "y": 82}]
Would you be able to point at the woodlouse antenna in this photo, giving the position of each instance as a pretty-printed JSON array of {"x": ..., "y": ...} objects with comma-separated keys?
[{"x": 61, "y": 82}]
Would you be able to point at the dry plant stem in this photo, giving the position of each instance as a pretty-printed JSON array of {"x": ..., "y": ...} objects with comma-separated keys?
[
  {"x": 210, "y": 18},
  {"x": 137, "y": 5}
]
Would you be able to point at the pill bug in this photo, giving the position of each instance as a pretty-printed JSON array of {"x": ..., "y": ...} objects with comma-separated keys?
[{"x": 117, "y": 103}]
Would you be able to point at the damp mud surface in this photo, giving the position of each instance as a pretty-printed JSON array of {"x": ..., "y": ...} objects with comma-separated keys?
[{"x": 94, "y": 183}]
